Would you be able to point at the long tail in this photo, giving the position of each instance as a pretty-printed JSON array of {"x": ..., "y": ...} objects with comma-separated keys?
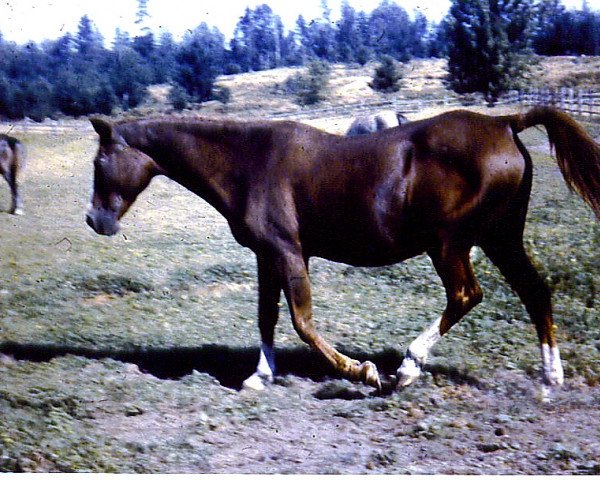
[{"x": 577, "y": 153}]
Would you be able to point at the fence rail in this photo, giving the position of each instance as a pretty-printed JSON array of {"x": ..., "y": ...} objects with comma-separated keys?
[{"x": 583, "y": 103}]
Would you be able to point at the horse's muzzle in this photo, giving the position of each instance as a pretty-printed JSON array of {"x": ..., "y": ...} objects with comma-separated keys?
[{"x": 103, "y": 223}]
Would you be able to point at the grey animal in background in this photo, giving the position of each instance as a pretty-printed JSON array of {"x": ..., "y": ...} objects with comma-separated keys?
[
  {"x": 375, "y": 122},
  {"x": 12, "y": 161}
]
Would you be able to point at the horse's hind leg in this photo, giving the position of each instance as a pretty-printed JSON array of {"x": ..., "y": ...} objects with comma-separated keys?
[
  {"x": 462, "y": 294},
  {"x": 9, "y": 166},
  {"x": 17, "y": 205},
  {"x": 269, "y": 292},
  {"x": 510, "y": 257}
]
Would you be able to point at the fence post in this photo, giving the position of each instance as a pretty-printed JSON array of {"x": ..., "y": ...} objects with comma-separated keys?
[{"x": 571, "y": 100}]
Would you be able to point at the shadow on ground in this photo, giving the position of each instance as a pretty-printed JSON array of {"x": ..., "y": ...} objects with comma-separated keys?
[{"x": 230, "y": 366}]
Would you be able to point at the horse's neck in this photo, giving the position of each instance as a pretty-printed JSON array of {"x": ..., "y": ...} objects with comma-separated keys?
[{"x": 199, "y": 157}]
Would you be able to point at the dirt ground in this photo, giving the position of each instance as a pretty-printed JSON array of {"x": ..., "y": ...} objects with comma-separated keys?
[
  {"x": 195, "y": 425},
  {"x": 127, "y": 354}
]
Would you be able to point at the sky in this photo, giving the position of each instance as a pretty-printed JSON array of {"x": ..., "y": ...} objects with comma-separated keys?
[{"x": 25, "y": 20}]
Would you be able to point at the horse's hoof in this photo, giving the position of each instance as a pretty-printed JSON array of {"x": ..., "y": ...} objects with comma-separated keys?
[
  {"x": 547, "y": 393},
  {"x": 408, "y": 372},
  {"x": 370, "y": 375},
  {"x": 17, "y": 211},
  {"x": 257, "y": 382}
]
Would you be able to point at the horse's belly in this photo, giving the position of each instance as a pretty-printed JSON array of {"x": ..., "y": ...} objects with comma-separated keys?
[{"x": 361, "y": 251}]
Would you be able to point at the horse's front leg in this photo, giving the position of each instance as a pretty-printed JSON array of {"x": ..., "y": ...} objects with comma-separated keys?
[
  {"x": 269, "y": 292},
  {"x": 296, "y": 285}
]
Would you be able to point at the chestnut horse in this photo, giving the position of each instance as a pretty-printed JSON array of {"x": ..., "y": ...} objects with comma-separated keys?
[
  {"x": 291, "y": 192},
  {"x": 11, "y": 162}
]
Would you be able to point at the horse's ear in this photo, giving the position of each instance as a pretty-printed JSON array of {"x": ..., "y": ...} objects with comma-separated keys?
[
  {"x": 102, "y": 127},
  {"x": 105, "y": 130}
]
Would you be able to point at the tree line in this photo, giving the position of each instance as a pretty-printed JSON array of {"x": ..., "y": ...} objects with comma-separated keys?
[{"x": 488, "y": 44}]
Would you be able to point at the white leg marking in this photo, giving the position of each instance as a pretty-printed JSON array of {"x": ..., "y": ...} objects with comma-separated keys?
[
  {"x": 264, "y": 371},
  {"x": 417, "y": 354},
  {"x": 553, "y": 371}
]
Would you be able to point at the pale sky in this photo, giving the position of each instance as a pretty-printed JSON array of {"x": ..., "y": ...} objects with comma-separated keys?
[{"x": 24, "y": 20}]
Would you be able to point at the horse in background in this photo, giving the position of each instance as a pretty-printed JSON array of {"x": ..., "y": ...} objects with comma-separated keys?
[
  {"x": 375, "y": 122},
  {"x": 12, "y": 161}
]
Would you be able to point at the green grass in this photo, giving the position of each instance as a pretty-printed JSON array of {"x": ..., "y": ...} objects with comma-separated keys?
[{"x": 174, "y": 277}]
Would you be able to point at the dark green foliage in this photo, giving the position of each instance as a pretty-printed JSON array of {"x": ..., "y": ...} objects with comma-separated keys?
[
  {"x": 223, "y": 95},
  {"x": 178, "y": 97},
  {"x": 438, "y": 41},
  {"x": 309, "y": 87},
  {"x": 387, "y": 76},
  {"x": 129, "y": 77},
  {"x": 488, "y": 45},
  {"x": 75, "y": 74},
  {"x": 199, "y": 60},
  {"x": 348, "y": 36},
  {"x": 390, "y": 31},
  {"x": 163, "y": 61},
  {"x": 566, "y": 32},
  {"x": 80, "y": 92},
  {"x": 38, "y": 99},
  {"x": 258, "y": 39}
]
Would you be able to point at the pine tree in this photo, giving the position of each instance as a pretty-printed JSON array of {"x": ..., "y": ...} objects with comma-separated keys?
[
  {"x": 88, "y": 40},
  {"x": 309, "y": 88},
  {"x": 258, "y": 39},
  {"x": 200, "y": 59},
  {"x": 387, "y": 76},
  {"x": 488, "y": 45},
  {"x": 390, "y": 31}
]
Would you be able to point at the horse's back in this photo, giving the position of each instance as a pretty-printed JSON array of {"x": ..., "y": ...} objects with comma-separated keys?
[{"x": 456, "y": 167}]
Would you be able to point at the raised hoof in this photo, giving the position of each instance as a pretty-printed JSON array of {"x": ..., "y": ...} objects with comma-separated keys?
[
  {"x": 408, "y": 372},
  {"x": 257, "y": 382},
  {"x": 370, "y": 375}
]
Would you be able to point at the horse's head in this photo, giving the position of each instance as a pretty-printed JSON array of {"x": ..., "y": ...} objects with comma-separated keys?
[{"x": 120, "y": 174}]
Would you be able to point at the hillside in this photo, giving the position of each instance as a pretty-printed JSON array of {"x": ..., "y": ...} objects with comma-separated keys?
[{"x": 423, "y": 80}]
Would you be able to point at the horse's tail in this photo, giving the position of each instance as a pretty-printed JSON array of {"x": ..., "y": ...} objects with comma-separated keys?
[{"x": 577, "y": 153}]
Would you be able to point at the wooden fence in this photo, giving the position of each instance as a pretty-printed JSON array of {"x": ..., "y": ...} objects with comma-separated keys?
[
  {"x": 584, "y": 103},
  {"x": 579, "y": 102}
]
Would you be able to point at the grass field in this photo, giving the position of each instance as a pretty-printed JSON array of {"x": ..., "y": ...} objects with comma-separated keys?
[{"x": 174, "y": 294}]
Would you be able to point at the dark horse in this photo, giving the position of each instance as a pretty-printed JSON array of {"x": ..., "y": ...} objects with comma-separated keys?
[
  {"x": 291, "y": 192},
  {"x": 11, "y": 162}
]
